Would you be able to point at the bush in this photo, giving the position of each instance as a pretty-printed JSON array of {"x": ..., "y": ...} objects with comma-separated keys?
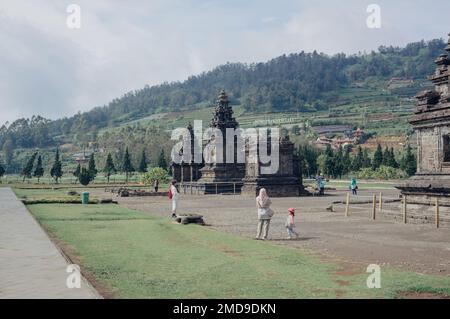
[
  {"x": 154, "y": 174},
  {"x": 85, "y": 177},
  {"x": 383, "y": 172}
]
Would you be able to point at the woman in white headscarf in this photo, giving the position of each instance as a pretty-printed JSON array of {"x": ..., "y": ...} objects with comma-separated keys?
[{"x": 265, "y": 214}]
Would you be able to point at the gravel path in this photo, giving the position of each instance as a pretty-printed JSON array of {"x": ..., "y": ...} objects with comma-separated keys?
[{"x": 357, "y": 239}]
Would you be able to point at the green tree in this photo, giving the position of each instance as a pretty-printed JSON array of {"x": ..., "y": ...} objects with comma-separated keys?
[
  {"x": 28, "y": 168},
  {"x": 366, "y": 163},
  {"x": 109, "y": 168},
  {"x": 92, "y": 169},
  {"x": 143, "y": 163},
  {"x": 347, "y": 161},
  {"x": 386, "y": 157},
  {"x": 85, "y": 177},
  {"x": 2, "y": 171},
  {"x": 322, "y": 162},
  {"x": 77, "y": 171},
  {"x": 377, "y": 158},
  {"x": 329, "y": 161},
  {"x": 39, "y": 170},
  {"x": 309, "y": 156},
  {"x": 409, "y": 162},
  {"x": 155, "y": 174},
  {"x": 393, "y": 162},
  {"x": 127, "y": 166},
  {"x": 8, "y": 151},
  {"x": 338, "y": 168},
  {"x": 358, "y": 160},
  {"x": 162, "y": 162},
  {"x": 56, "y": 171}
]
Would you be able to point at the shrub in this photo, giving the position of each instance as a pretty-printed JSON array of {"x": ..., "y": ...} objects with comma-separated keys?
[
  {"x": 154, "y": 174},
  {"x": 85, "y": 177}
]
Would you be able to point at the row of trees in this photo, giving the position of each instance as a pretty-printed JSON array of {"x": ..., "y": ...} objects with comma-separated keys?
[
  {"x": 31, "y": 170},
  {"x": 341, "y": 162},
  {"x": 35, "y": 168},
  {"x": 87, "y": 175}
]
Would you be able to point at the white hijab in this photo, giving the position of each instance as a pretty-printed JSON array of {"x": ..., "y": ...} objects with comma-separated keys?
[{"x": 263, "y": 199}]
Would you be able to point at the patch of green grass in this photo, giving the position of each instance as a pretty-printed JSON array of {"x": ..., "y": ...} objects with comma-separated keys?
[
  {"x": 40, "y": 193},
  {"x": 344, "y": 184},
  {"x": 138, "y": 255}
]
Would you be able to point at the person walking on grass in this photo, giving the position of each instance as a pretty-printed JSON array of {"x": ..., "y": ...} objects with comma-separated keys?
[
  {"x": 290, "y": 224},
  {"x": 354, "y": 186},
  {"x": 265, "y": 214},
  {"x": 174, "y": 195}
]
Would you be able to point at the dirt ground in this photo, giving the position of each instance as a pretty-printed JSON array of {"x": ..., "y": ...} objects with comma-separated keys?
[{"x": 354, "y": 240}]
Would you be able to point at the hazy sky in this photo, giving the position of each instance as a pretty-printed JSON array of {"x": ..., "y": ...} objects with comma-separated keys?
[{"x": 49, "y": 69}]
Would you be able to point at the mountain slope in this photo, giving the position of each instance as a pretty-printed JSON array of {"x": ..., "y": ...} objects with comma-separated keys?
[{"x": 303, "y": 82}]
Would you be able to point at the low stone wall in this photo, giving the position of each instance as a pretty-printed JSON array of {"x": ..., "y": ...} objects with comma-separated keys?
[{"x": 418, "y": 214}]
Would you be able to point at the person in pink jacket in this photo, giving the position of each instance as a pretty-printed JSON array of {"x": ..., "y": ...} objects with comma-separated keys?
[{"x": 290, "y": 224}]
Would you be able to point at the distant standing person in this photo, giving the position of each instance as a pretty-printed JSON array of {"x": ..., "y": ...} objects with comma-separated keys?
[
  {"x": 156, "y": 185},
  {"x": 174, "y": 195},
  {"x": 354, "y": 186},
  {"x": 265, "y": 214},
  {"x": 318, "y": 179},
  {"x": 290, "y": 224},
  {"x": 322, "y": 185}
]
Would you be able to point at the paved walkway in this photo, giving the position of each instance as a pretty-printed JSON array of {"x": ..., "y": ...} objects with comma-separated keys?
[{"x": 30, "y": 264}]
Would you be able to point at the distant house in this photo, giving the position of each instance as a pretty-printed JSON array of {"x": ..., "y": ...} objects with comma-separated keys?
[
  {"x": 82, "y": 158},
  {"x": 349, "y": 137}
]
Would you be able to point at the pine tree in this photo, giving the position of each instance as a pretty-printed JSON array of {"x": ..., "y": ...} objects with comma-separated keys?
[
  {"x": 143, "y": 163},
  {"x": 393, "y": 162},
  {"x": 329, "y": 161},
  {"x": 92, "y": 169},
  {"x": 358, "y": 160},
  {"x": 39, "y": 170},
  {"x": 409, "y": 162},
  {"x": 366, "y": 159},
  {"x": 338, "y": 163},
  {"x": 28, "y": 168},
  {"x": 127, "y": 166},
  {"x": 56, "y": 170},
  {"x": 387, "y": 157},
  {"x": 162, "y": 162},
  {"x": 377, "y": 158},
  {"x": 2, "y": 171},
  {"x": 109, "y": 169},
  {"x": 347, "y": 161},
  {"x": 77, "y": 171}
]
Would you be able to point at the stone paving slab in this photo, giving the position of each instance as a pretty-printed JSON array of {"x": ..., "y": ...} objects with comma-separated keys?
[{"x": 31, "y": 266}]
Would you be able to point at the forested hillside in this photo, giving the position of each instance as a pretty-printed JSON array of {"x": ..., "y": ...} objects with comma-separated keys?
[{"x": 302, "y": 82}]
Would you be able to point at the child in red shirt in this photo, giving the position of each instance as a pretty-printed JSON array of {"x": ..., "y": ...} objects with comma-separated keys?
[{"x": 290, "y": 224}]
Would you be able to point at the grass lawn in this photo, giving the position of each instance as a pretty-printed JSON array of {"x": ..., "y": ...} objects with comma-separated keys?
[
  {"x": 344, "y": 184},
  {"x": 136, "y": 255}
]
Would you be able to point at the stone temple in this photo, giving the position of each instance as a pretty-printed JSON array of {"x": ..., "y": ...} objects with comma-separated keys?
[
  {"x": 212, "y": 177},
  {"x": 431, "y": 123},
  {"x": 286, "y": 182}
]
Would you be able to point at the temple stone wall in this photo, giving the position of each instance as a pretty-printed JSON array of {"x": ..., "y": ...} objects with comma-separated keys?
[{"x": 431, "y": 150}]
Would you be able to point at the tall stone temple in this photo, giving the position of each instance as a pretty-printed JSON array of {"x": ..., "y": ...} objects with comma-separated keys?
[
  {"x": 431, "y": 123},
  {"x": 221, "y": 174},
  {"x": 212, "y": 176}
]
